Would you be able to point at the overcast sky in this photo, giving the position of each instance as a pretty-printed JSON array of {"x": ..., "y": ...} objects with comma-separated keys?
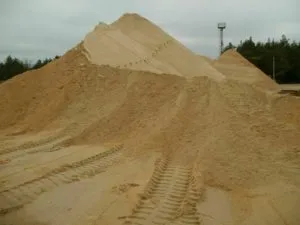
[{"x": 35, "y": 29}]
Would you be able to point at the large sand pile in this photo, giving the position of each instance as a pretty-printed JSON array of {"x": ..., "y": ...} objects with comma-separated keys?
[{"x": 216, "y": 126}]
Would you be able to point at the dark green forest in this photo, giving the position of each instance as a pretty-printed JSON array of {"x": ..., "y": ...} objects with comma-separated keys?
[
  {"x": 13, "y": 66},
  {"x": 284, "y": 54}
]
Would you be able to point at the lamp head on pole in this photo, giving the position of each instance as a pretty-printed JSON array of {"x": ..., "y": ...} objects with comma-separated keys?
[{"x": 221, "y": 26}]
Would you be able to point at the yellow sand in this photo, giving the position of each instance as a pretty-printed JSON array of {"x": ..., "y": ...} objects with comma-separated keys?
[{"x": 131, "y": 127}]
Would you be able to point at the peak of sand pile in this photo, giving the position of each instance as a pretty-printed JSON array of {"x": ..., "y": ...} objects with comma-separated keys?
[
  {"x": 101, "y": 25},
  {"x": 235, "y": 66},
  {"x": 133, "y": 25},
  {"x": 133, "y": 19},
  {"x": 231, "y": 56},
  {"x": 135, "y": 43}
]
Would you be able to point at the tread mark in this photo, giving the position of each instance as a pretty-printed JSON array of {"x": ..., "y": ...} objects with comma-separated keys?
[
  {"x": 19, "y": 195},
  {"x": 164, "y": 196}
]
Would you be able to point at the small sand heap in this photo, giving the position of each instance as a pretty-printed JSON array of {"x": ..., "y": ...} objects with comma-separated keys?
[{"x": 236, "y": 67}]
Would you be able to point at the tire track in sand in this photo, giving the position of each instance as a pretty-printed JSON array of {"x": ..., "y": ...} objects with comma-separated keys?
[
  {"x": 49, "y": 147},
  {"x": 16, "y": 197},
  {"x": 30, "y": 145},
  {"x": 169, "y": 197}
]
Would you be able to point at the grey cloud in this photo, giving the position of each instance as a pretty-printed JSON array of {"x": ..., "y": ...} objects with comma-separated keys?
[{"x": 35, "y": 29}]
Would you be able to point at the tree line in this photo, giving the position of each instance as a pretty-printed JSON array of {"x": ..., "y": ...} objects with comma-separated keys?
[
  {"x": 12, "y": 66},
  {"x": 282, "y": 57}
]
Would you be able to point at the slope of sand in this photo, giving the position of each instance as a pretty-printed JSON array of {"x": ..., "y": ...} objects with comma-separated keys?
[
  {"x": 97, "y": 137},
  {"x": 236, "y": 67}
]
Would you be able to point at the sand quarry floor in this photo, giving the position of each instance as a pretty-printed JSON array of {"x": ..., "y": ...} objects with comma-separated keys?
[
  {"x": 290, "y": 87},
  {"x": 131, "y": 127}
]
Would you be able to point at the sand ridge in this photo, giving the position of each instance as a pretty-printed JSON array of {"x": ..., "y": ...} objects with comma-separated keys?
[{"x": 146, "y": 127}]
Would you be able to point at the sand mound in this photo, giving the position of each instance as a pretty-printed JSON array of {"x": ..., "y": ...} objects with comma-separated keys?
[
  {"x": 135, "y": 43},
  {"x": 236, "y": 67},
  {"x": 210, "y": 125},
  {"x": 232, "y": 57},
  {"x": 36, "y": 98}
]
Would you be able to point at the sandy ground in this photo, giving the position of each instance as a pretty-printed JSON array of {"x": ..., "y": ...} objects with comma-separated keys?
[
  {"x": 75, "y": 195},
  {"x": 290, "y": 87},
  {"x": 102, "y": 185},
  {"x": 131, "y": 127}
]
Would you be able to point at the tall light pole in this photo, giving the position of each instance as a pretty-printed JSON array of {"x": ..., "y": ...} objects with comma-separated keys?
[{"x": 221, "y": 27}]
